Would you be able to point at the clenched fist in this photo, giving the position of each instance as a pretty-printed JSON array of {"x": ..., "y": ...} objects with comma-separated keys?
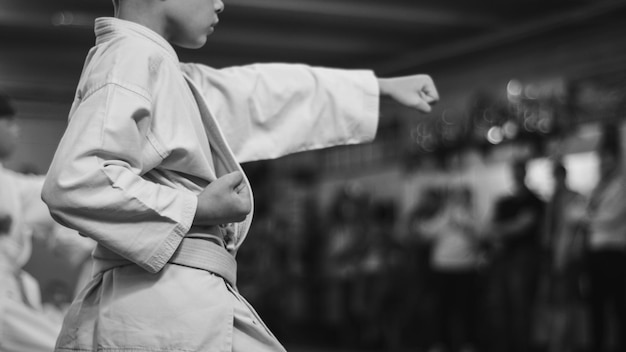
[
  {"x": 223, "y": 201},
  {"x": 417, "y": 91}
]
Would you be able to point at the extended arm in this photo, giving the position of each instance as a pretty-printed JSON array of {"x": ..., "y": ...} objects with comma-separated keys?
[{"x": 270, "y": 110}]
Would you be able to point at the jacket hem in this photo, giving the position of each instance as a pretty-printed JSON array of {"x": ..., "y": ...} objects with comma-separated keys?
[{"x": 125, "y": 349}]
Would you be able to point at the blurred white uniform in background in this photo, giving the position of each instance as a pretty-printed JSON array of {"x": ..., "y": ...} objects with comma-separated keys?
[
  {"x": 23, "y": 323},
  {"x": 24, "y": 326}
]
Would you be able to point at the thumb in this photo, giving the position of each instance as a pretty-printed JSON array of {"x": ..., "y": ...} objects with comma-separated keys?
[
  {"x": 238, "y": 183},
  {"x": 233, "y": 179},
  {"x": 422, "y": 106}
]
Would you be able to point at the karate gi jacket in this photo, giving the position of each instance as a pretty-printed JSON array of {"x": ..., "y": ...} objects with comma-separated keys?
[{"x": 140, "y": 146}]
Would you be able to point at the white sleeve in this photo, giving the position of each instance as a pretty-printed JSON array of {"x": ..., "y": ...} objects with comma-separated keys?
[
  {"x": 269, "y": 110},
  {"x": 95, "y": 183}
]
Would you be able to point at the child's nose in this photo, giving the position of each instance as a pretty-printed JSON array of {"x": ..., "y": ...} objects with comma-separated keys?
[{"x": 219, "y": 6}]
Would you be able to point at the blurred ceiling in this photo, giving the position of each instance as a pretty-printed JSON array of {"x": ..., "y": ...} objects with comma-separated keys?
[{"x": 44, "y": 42}]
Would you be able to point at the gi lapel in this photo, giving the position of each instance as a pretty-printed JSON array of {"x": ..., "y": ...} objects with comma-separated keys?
[{"x": 225, "y": 157}]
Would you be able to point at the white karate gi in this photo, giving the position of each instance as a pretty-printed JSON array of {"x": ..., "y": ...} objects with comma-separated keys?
[{"x": 139, "y": 148}]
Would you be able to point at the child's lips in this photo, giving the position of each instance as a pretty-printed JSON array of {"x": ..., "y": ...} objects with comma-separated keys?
[{"x": 212, "y": 26}]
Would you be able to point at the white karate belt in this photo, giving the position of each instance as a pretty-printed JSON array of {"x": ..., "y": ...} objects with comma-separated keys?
[{"x": 206, "y": 255}]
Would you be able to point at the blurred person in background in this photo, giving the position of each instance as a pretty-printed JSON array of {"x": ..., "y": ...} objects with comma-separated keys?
[
  {"x": 430, "y": 203},
  {"x": 607, "y": 245},
  {"x": 453, "y": 233},
  {"x": 564, "y": 241},
  {"x": 24, "y": 325},
  {"x": 59, "y": 296},
  {"x": 343, "y": 244},
  {"x": 383, "y": 279},
  {"x": 515, "y": 236}
]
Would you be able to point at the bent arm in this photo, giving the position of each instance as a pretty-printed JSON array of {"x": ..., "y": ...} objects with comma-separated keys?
[{"x": 97, "y": 183}]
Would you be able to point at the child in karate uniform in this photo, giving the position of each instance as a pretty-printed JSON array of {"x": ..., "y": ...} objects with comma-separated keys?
[{"x": 149, "y": 168}]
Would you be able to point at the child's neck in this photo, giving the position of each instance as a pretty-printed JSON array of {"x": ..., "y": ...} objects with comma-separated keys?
[{"x": 141, "y": 13}]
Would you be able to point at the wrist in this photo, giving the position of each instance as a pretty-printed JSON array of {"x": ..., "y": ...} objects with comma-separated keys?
[
  {"x": 383, "y": 86},
  {"x": 201, "y": 216}
]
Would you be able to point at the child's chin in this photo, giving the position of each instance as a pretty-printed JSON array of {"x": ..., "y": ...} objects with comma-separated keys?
[{"x": 196, "y": 44}]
